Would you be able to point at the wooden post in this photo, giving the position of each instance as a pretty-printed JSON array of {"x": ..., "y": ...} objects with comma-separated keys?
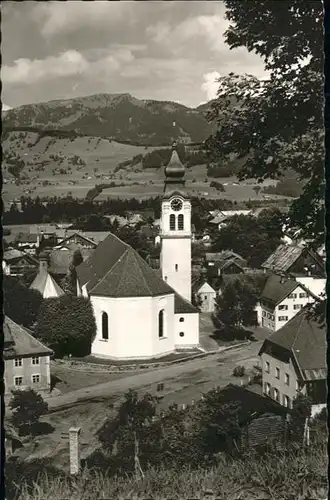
[{"x": 74, "y": 450}]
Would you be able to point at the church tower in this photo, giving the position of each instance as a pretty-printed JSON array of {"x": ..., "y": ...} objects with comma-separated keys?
[{"x": 176, "y": 229}]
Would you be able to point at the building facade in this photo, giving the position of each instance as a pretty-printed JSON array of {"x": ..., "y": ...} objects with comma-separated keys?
[
  {"x": 26, "y": 359},
  {"x": 281, "y": 299},
  {"x": 294, "y": 361}
]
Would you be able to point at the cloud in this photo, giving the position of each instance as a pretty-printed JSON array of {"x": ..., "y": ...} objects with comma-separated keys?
[
  {"x": 5, "y": 107},
  {"x": 68, "y": 63},
  {"x": 59, "y": 17},
  {"x": 193, "y": 30},
  {"x": 210, "y": 85}
]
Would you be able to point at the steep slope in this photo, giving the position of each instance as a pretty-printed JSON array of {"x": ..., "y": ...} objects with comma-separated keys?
[{"x": 120, "y": 117}]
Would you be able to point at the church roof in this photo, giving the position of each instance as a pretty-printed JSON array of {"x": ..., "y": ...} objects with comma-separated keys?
[
  {"x": 182, "y": 306},
  {"x": 174, "y": 172},
  {"x": 116, "y": 270}
]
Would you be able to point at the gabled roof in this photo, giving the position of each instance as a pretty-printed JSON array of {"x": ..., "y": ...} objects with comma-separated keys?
[
  {"x": 44, "y": 281},
  {"x": 222, "y": 256},
  {"x": 306, "y": 340},
  {"x": 116, "y": 270},
  {"x": 251, "y": 404},
  {"x": 286, "y": 255},
  {"x": 26, "y": 238},
  {"x": 204, "y": 286},
  {"x": 11, "y": 255},
  {"x": 61, "y": 258},
  {"x": 22, "y": 342},
  {"x": 76, "y": 233},
  {"x": 277, "y": 288}
]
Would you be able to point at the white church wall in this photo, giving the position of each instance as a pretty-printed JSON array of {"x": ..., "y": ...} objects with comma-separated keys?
[
  {"x": 189, "y": 327},
  {"x": 133, "y": 327},
  {"x": 161, "y": 346}
]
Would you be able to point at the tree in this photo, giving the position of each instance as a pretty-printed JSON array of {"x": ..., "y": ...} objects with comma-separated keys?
[
  {"x": 276, "y": 124},
  {"x": 257, "y": 189},
  {"x": 28, "y": 406},
  {"x": 252, "y": 238},
  {"x": 69, "y": 282},
  {"x": 299, "y": 418},
  {"x": 127, "y": 435},
  {"x": 235, "y": 307},
  {"x": 67, "y": 325},
  {"x": 217, "y": 423},
  {"x": 20, "y": 303}
]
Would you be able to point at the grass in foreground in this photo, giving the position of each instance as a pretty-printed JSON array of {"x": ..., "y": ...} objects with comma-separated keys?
[{"x": 277, "y": 476}]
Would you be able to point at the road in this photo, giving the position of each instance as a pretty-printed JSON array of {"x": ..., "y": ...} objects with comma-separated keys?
[{"x": 214, "y": 370}]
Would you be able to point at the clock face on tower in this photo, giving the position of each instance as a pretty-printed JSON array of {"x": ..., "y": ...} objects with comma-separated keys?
[{"x": 176, "y": 204}]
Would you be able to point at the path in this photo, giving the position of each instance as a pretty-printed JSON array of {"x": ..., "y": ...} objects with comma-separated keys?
[{"x": 212, "y": 363}]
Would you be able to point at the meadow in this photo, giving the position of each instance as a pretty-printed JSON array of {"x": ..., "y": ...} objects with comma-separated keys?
[{"x": 73, "y": 166}]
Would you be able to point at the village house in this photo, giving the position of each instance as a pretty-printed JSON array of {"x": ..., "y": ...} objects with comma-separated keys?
[
  {"x": 26, "y": 359},
  {"x": 206, "y": 297},
  {"x": 60, "y": 257},
  {"x": 294, "y": 361},
  {"x": 281, "y": 299},
  {"x": 225, "y": 262},
  {"x": 262, "y": 420},
  {"x": 138, "y": 313},
  {"x": 16, "y": 262},
  {"x": 44, "y": 282},
  {"x": 296, "y": 261},
  {"x": 220, "y": 218},
  {"x": 27, "y": 242}
]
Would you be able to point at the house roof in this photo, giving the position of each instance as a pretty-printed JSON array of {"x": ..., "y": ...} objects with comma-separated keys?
[
  {"x": 182, "y": 306},
  {"x": 44, "y": 280},
  {"x": 22, "y": 342},
  {"x": 116, "y": 270},
  {"x": 251, "y": 403},
  {"x": 27, "y": 238},
  {"x": 204, "y": 286},
  {"x": 222, "y": 256},
  {"x": 286, "y": 255},
  {"x": 13, "y": 254},
  {"x": 61, "y": 258},
  {"x": 80, "y": 235},
  {"x": 277, "y": 288},
  {"x": 305, "y": 338}
]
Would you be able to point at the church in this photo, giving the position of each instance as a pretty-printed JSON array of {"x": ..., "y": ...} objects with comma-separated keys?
[{"x": 139, "y": 312}]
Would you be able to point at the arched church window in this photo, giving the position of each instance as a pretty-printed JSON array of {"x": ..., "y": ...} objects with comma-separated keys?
[
  {"x": 172, "y": 222},
  {"x": 180, "y": 222},
  {"x": 105, "y": 326},
  {"x": 161, "y": 324}
]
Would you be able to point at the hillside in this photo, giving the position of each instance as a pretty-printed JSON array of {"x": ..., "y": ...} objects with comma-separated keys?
[
  {"x": 120, "y": 117},
  {"x": 275, "y": 475}
]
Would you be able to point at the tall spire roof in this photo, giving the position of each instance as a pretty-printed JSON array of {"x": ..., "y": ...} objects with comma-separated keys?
[{"x": 174, "y": 171}]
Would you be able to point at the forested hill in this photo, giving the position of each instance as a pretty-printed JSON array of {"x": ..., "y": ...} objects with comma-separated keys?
[{"x": 121, "y": 117}]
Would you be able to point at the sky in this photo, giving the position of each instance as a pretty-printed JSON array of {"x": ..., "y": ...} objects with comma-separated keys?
[{"x": 168, "y": 50}]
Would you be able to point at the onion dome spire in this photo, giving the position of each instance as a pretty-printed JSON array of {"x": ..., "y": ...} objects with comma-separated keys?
[{"x": 174, "y": 170}]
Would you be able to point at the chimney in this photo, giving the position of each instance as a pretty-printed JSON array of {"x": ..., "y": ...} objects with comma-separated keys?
[{"x": 74, "y": 450}]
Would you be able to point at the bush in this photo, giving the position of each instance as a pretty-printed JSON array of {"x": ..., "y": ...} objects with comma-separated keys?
[
  {"x": 67, "y": 325},
  {"x": 20, "y": 303},
  {"x": 28, "y": 406},
  {"x": 239, "y": 371}
]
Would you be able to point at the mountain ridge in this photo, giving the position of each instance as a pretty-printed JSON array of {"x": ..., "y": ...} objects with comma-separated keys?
[{"x": 119, "y": 116}]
